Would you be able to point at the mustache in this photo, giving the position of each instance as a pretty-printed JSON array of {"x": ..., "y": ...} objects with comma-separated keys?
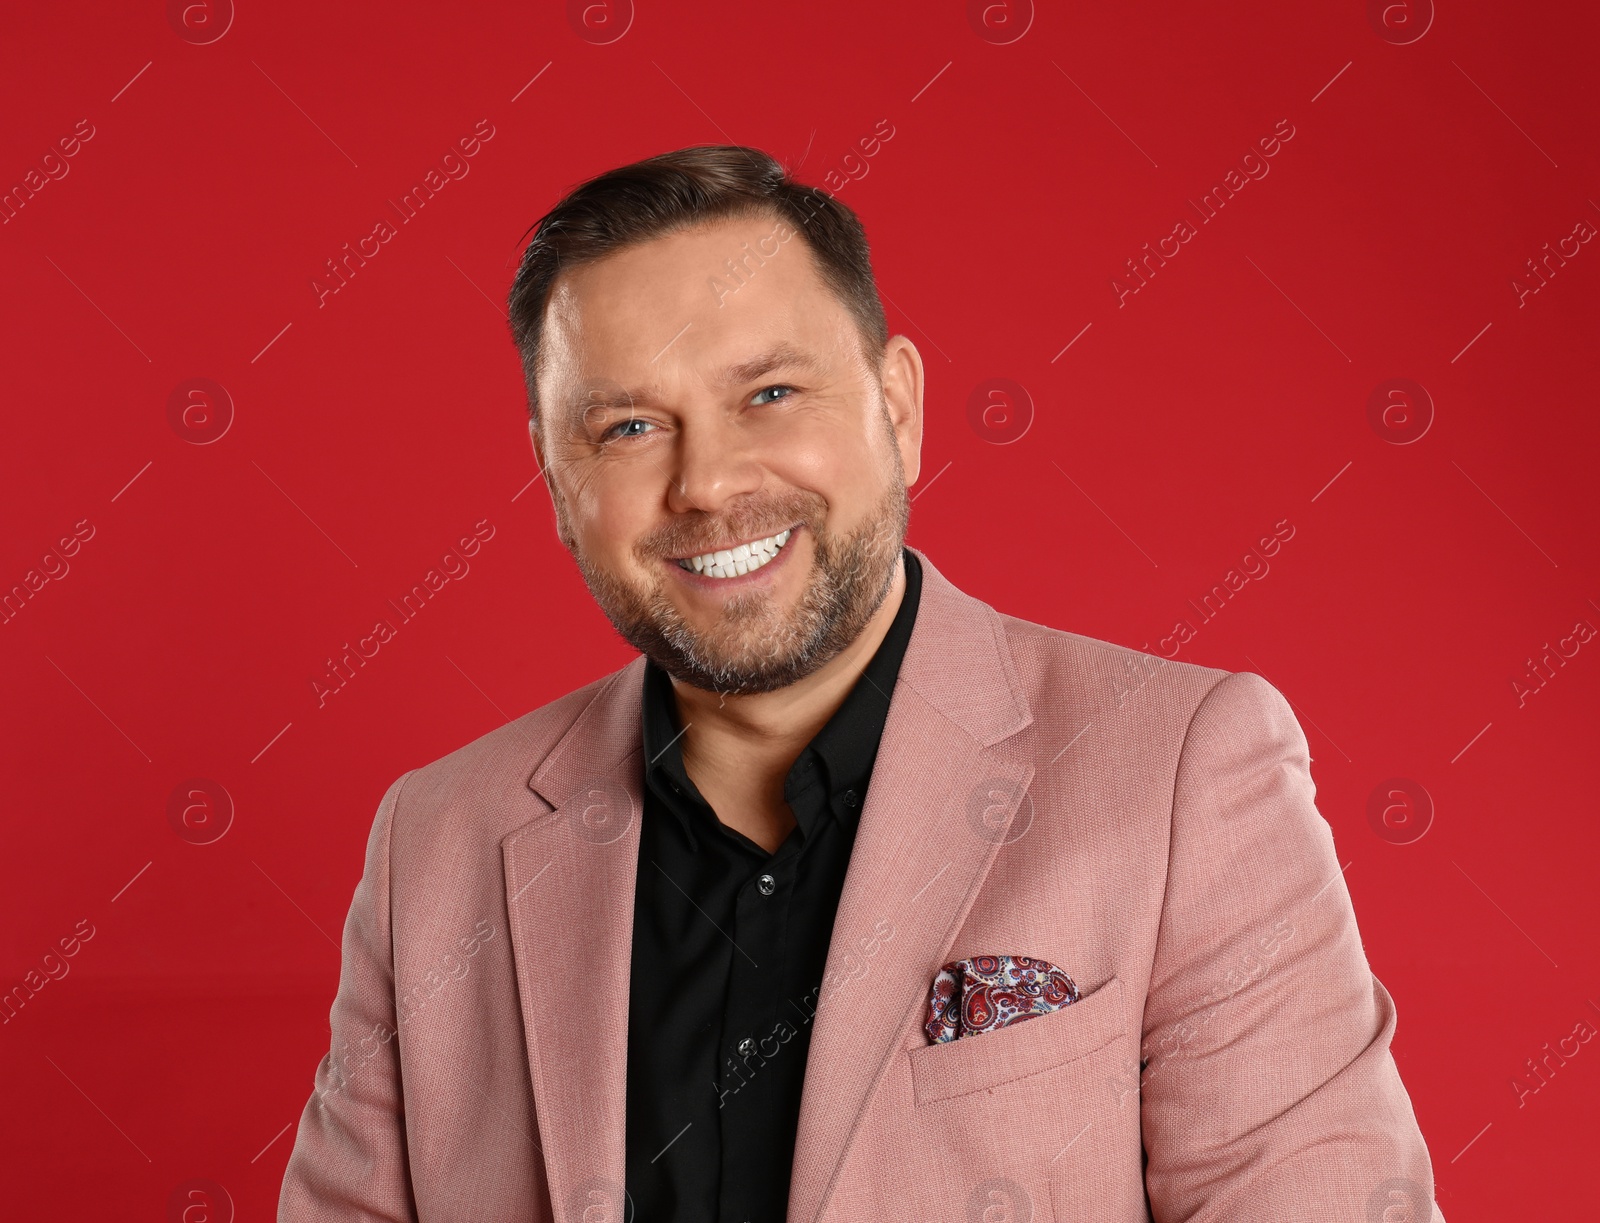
[{"x": 697, "y": 532}]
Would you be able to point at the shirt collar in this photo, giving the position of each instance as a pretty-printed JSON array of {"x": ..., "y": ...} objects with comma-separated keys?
[{"x": 840, "y": 756}]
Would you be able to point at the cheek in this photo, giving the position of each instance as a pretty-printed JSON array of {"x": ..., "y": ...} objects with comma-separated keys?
[
  {"x": 809, "y": 463},
  {"x": 826, "y": 445},
  {"x": 610, "y": 509},
  {"x": 846, "y": 471}
]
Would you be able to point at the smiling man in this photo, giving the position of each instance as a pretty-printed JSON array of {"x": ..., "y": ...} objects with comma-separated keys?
[{"x": 851, "y": 898}]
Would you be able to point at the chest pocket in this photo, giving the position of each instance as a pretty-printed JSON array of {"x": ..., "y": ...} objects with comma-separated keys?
[{"x": 1030, "y": 1046}]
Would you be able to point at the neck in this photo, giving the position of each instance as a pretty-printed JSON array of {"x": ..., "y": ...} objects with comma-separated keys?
[{"x": 759, "y": 736}]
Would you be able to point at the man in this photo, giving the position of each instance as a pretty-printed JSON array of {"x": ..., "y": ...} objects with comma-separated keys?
[{"x": 851, "y": 898}]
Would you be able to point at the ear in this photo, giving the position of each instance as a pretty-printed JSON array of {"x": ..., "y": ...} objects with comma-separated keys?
[{"x": 902, "y": 392}]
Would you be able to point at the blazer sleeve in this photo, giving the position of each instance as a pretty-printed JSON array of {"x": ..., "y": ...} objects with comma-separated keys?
[
  {"x": 1268, "y": 1088},
  {"x": 349, "y": 1159}
]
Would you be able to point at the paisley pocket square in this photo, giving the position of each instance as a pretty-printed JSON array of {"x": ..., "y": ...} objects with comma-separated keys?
[{"x": 985, "y": 992}]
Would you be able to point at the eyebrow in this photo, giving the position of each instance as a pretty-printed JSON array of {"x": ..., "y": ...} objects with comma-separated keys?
[{"x": 782, "y": 355}]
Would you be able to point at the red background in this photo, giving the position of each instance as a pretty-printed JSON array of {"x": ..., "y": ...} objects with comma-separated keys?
[{"x": 369, "y": 433}]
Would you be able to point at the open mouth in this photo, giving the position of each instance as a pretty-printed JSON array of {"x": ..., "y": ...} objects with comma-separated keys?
[{"x": 736, "y": 562}]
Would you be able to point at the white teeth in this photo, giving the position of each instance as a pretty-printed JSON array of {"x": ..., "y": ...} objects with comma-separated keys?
[{"x": 734, "y": 562}]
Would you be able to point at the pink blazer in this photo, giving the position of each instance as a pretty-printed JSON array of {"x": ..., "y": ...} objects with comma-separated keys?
[{"x": 1148, "y": 826}]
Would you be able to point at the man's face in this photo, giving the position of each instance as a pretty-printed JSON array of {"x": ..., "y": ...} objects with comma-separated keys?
[{"x": 686, "y": 412}]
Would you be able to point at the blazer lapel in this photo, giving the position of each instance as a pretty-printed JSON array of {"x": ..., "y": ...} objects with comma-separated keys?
[
  {"x": 949, "y": 777},
  {"x": 569, "y": 893}
]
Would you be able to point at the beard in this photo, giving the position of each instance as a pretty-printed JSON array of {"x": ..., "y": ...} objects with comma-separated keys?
[{"x": 756, "y": 645}]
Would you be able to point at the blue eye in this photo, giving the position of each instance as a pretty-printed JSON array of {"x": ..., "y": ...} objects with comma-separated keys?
[
  {"x": 613, "y": 431},
  {"x": 759, "y": 402}
]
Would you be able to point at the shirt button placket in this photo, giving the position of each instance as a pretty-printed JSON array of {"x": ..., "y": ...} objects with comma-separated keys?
[{"x": 758, "y": 930}]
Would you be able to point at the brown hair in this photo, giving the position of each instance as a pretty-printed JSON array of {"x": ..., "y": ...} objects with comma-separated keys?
[{"x": 661, "y": 195}]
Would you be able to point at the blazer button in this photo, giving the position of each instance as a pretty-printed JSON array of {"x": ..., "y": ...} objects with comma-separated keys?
[
  {"x": 849, "y": 799},
  {"x": 767, "y": 885},
  {"x": 747, "y": 1047}
]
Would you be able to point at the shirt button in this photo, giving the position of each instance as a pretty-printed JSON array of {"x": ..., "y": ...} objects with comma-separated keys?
[
  {"x": 849, "y": 799},
  {"x": 747, "y": 1047},
  {"x": 767, "y": 884}
]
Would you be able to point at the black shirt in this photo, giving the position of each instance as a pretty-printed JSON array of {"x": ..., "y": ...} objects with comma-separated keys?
[{"x": 729, "y": 944}]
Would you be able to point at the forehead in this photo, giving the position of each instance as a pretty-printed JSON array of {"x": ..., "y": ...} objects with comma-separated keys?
[{"x": 703, "y": 297}]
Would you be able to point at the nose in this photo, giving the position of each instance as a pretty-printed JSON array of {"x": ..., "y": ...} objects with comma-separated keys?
[{"x": 713, "y": 462}]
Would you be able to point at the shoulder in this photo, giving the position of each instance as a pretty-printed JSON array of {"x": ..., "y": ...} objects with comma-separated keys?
[
  {"x": 1184, "y": 722},
  {"x": 1102, "y": 676},
  {"x": 1191, "y": 759},
  {"x": 490, "y": 774}
]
